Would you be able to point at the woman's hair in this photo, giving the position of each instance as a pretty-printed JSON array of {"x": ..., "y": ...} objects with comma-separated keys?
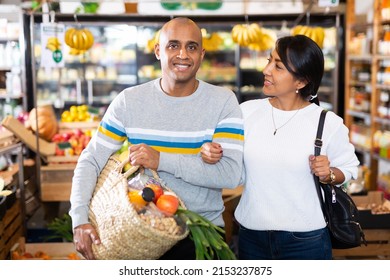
[{"x": 304, "y": 59}]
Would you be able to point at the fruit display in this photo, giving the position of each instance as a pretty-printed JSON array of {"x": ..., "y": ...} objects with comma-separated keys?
[
  {"x": 40, "y": 255},
  {"x": 317, "y": 34},
  {"x": 79, "y": 40},
  {"x": 72, "y": 143},
  {"x": 42, "y": 120},
  {"x": 80, "y": 113},
  {"x": 252, "y": 36}
]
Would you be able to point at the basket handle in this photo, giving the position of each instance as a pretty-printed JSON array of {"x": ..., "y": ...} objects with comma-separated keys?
[
  {"x": 133, "y": 169},
  {"x": 154, "y": 173}
]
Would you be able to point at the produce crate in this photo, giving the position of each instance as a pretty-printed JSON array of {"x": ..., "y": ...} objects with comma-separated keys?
[
  {"x": 44, "y": 251},
  {"x": 378, "y": 247},
  {"x": 11, "y": 229},
  {"x": 56, "y": 181},
  {"x": 376, "y": 228}
]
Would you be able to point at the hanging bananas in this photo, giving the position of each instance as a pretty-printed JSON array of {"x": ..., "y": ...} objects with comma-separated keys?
[
  {"x": 317, "y": 34},
  {"x": 149, "y": 48},
  {"x": 53, "y": 44},
  {"x": 79, "y": 40},
  {"x": 252, "y": 36},
  {"x": 211, "y": 42}
]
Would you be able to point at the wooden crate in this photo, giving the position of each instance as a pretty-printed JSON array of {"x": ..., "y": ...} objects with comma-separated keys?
[
  {"x": 11, "y": 229},
  {"x": 44, "y": 251},
  {"x": 378, "y": 247},
  {"x": 56, "y": 181}
]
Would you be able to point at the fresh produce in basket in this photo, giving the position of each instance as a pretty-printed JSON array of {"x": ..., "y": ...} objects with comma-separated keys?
[
  {"x": 132, "y": 226},
  {"x": 164, "y": 213},
  {"x": 122, "y": 229}
]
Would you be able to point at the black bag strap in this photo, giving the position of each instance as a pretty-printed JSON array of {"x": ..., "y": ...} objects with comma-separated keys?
[{"x": 317, "y": 151}]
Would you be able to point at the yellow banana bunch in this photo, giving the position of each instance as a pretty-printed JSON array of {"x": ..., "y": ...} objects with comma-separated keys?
[
  {"x": 76, "y": 51},
  {"x": 252, "y": 36},
  {"x": 211, "y": 42},
  {"x": 79, "y": 39},
  {"x": 53, "y": 44},
  {"x": 244, "y": 34},
  {"x": 317, "y": 34},
  {"x": 265, "y": 42},
  {"x": 149, "y": 48}
]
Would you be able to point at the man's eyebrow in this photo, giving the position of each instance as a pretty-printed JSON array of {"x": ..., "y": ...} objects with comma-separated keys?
[{"x": 188, "y": 43}]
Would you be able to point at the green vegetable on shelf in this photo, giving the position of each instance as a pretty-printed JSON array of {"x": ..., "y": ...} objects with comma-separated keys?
[{"x": 61, "y": 228}]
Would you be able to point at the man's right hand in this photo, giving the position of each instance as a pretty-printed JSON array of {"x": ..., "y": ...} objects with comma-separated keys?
[{"x": 83, "y": 237}]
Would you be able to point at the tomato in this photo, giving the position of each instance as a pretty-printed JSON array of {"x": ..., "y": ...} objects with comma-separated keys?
[{"x": 168, "y": 204}]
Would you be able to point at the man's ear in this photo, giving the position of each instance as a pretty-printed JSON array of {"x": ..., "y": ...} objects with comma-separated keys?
[{"x": 157, "y": 51}]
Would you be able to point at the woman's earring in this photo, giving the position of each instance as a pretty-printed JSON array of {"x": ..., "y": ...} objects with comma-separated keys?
[{"x": 297, "y": 91}]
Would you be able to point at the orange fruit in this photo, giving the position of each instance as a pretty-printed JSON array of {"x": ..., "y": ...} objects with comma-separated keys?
[
  {"x": 136, "y": 199},
  {"x": 168, "y": 204}
]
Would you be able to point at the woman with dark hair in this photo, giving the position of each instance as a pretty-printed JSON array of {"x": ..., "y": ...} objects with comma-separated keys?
[{"x": 279, "y": 212}]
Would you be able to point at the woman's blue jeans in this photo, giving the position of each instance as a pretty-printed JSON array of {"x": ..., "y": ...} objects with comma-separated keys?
[{"x": 284, "y": 245}]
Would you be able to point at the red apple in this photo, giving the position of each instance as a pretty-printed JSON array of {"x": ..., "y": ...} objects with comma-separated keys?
[
  {"x": 57, "y": 138},
  {"x": 78, "y": 132},
  {"x": 66, "y": 136}
]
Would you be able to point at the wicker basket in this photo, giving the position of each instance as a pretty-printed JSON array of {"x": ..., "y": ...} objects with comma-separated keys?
[{"x": 123, "y": 234}]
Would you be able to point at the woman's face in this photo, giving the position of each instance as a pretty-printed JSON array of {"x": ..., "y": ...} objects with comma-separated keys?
[{"x": 278, "y": 81}]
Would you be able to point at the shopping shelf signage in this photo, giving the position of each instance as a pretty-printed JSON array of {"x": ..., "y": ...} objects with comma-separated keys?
[{"x": 52, "y": 45}]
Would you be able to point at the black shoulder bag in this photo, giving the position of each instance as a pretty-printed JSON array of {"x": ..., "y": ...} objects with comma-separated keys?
[{"x": 340, "y": 212}]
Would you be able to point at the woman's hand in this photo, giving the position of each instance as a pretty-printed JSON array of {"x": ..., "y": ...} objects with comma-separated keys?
[
  {"x": 211, "y": 152},
  {"x": 320, "y": 166}
]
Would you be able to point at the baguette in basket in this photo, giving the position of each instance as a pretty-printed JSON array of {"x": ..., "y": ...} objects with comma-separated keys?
[{"x": 123, "y": 232}]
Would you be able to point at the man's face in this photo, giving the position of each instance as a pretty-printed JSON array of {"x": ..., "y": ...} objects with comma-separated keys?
[{"x": 180, "y": 52}]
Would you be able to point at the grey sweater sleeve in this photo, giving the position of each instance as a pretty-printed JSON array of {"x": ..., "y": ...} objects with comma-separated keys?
[{"x": 224, "y": 174}]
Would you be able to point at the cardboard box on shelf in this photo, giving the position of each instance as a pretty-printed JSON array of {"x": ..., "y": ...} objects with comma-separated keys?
[{"x": 28, "y": 137}]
